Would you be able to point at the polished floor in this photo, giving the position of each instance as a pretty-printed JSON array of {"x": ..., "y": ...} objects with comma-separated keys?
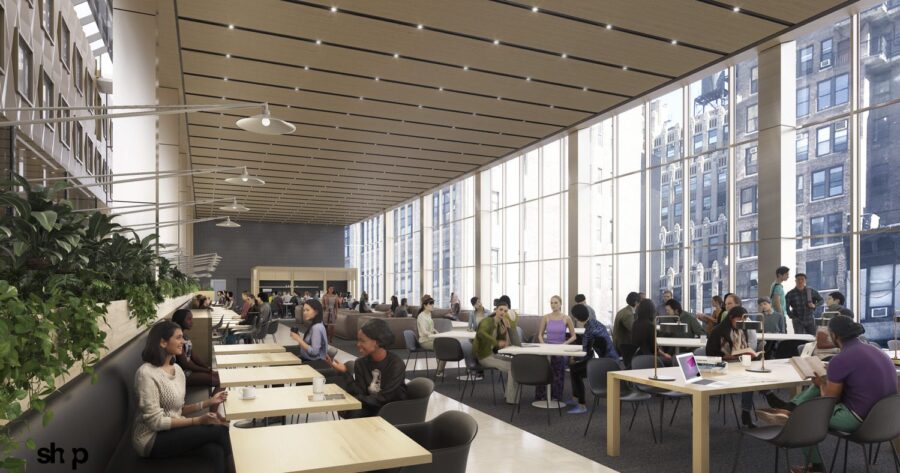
[{"x": 520, "y": 450}]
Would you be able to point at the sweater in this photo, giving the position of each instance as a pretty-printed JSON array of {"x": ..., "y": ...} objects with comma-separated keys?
[
  {"x": 317, "y": 339},
  {"x": 160, "y": 398},
  {"x": 425, "y": 326},
  {"x": 376, "y": 383}
]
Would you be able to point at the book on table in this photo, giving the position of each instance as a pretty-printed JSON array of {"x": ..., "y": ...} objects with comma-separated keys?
[{"x": 808, "y": 366}]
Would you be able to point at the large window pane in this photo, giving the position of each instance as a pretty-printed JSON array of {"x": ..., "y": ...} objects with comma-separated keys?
[
  {"x": 452, "y": 243},
  {"x": 824, "y": 72},
  {"x": 879, "y": 47},
  {"x": 709, "y": 111}
]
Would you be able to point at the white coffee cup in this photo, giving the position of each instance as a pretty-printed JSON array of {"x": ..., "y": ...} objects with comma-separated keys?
[
  {"x": 745, "y": 361},
  {"x": 248, "y": 392},
  {"x": 318, "y": 385}
]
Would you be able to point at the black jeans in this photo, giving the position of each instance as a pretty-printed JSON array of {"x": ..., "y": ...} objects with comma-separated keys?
[
  {"x": 209, "y": 441},
  {"x": 577, "y": 373}
]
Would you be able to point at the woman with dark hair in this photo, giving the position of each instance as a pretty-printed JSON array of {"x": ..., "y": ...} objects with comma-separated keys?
[
  {"x": 364, "y": 303},
  {"x": 394, "y": 304},
  {"x": 426, "y": 330},
  {"x": 730, "y": 342},
  {"x": 313, "y": 345},
  {"x": 454, "y": 306},
  {"x": 379, "y": 376},
  {"x": 710, "y": 321},
  {"x": 197, "y": 373},
  {"x": 642, "y": 330},
  {"x": 402, "y": 310},
  {"x": 694, "y": 329},
  {"x": 161, "y": 429}
]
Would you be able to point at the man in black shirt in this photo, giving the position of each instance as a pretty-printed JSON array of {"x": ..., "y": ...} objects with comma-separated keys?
[{"x": 802, "y": 302}]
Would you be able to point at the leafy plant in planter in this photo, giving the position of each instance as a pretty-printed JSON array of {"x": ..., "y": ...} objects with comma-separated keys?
[{"x": 59, "y": 269}]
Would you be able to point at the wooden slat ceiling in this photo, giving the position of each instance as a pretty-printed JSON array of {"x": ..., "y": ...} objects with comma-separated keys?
[{"x": 386, "y": 110}]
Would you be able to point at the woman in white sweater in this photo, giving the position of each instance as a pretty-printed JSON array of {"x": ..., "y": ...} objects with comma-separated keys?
[
  {"x": 425, "y": 327},
  {"x": 161, "y": 428}
]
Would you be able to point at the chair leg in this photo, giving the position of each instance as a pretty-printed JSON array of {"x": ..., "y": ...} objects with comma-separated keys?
[
  {"x": 662, "y": 407},
  {"x": 737, "y": 455},
  {"x": 493, "y": 391},
  {"x": 593, "y": 408},
  {"x": 548, "y": 410},
  {"x": 675, "y": 410},
  {"x": 650, "y": 418},
  {"x": 819, "y": 453},
  {"x": 896, "y": 459},
  {"x": 734, "y": 411},
  {"x": 865, "y": 456},
  {"x": 777, "y": 451},
  {"x": 846, "y": 448},
  {"x": 877, "y": 451},
  {"x": 837, "y": 448},
  {"x": 516, "y": 397},
  {"x": 787, "y": 460},
  {"x": 633, "y": 415}
]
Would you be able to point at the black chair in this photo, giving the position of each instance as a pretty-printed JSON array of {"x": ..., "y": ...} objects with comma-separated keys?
[
  {"x": 806, "y": 427},
  {"x": 442, "y": 325},
  {"x": 788, "y": 348},
  {"x": 597, "y": 368},
  {"x": 450, "y": 350},
  {"x": 412, "y": 346},
  {"x": 881, "y": 425},
  {"x": 642, "y": 362},
  {"x": 627, "y": 350},
  {"x": 448, "y": 437},
  {"x": 473, "y": 367},
  {"x": 413, "y": 408},
  {"x": 531, "y": 370}
]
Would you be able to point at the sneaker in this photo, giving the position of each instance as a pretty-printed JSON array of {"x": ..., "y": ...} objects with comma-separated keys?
[
  {"x": 777, "y": 403},
  {"x": 773, "y": 416},
  {"x": 571, "y": 402},
  {"x": 577, "y": 409}
]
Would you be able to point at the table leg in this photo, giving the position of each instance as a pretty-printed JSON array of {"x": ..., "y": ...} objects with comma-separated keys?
[
  {"x": 700, "y": 437},
  {"x": 613, "y": 415}
]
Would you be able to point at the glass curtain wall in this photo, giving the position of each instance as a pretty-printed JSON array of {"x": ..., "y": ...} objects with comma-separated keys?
[
  {"x": 452, "y": 242},
  {"x": 371, "y": 258},
  {"x": 404, "y": 258},
  {"x": 528, "y": 218}
]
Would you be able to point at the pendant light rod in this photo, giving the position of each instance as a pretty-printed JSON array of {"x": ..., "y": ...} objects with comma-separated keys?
[{"x": 177, "y": 111}]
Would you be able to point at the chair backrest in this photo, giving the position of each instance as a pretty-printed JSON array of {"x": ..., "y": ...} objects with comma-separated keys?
[
  {"x": 788, "y": 348},
  {"x": 883, "y": 422},
  {"x": 893, "y": 344},
  {"x": 414, "y": 407},
  {"x": 443, "y": 325},
  {"x": 521, "y": 334},
  {"x": 448, "y": 437},
  {"x": 807, "y": 425},
  {"x": 332, "y": 351},
  {"x": 272, "y": 327},
  {"x": 643, "y": 362},
  {"x": 627, "y": 351},
  {"x": 596, "y": 372},
  {"x": 409, "y": 338},
  {"x": 700, "y": 351},
  {"x": 448, "y": 349},
  {"x": 531, "y": 370}
]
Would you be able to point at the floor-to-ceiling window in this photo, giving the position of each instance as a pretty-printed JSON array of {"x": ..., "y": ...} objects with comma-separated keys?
[
  {"x": 528, "y": 217},
  {"x": 371, "y": 257},
  {"x": 452, "y": 242},
  {"x": 404, "y": 262},
  {"x": 596, "y": 146},
  {"x": 745, "y": 168}
]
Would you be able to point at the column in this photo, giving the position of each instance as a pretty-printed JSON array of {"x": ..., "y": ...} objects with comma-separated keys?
[
  {"x": 777, "y": 173},
  {"x": 579, "y": 233},
  {"x": 483, "y": 237}
]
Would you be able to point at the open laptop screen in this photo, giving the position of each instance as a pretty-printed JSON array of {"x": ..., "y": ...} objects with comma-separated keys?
[{"x": 688, "y": 366}]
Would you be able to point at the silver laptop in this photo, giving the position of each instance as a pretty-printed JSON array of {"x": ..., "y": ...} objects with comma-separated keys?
[{"x": 690, "y": 371}]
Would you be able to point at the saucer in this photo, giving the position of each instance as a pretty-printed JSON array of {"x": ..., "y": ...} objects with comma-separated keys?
[{"x": 248, "y": 398}]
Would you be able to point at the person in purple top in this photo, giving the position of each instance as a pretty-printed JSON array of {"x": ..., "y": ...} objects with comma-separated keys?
[
  {"x": 553, "y": 330},
  {"x": 596, "y": 339},
  {"x": 859, "y": 376}
]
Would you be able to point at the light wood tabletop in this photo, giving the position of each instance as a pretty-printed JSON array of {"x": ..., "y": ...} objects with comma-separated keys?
[
  {"x": 458, "y": 334},
  {"x": 546, "y": 349},
  {"x": 735, "y": 380},
  {"x": 342, "y": 446},
  {"x": 257, "y": 359},
  {"x": 273, "y": 402},
  {"x": 247, "y": 348},
  {"x": 459, "y": 325},
  {"x": 699, "y": 342},
  {"x": 267, "y": 375}
]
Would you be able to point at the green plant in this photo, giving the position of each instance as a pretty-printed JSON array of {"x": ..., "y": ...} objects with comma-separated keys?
[{"x": 59, "y": 269}]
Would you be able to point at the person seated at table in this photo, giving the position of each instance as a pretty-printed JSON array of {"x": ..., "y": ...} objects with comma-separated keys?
[
  {"x": 711, "y": 320},
  {"x": 642, "y": 331},
  {"x": 312, "y": 347},
  {"x": 596, "y": 339},
  {"x": 859, "y": 376},
  {"x": 426, "y": 330},
  {"x": 247, "y": 304},
  {"x": 161, "y": 428},
  {"x": 494, "y": 333},
  {"x": 394, "y": 304},
  {"x": 478, "y": 313},
  {"x": 454, "y": 306},
  {"x": 730, "y": 342},
  {"x": 402, "y": 310},
  {"x": 379, "y": 376},
  {"x": 195, "y": 371},
  {"x": 823, "y": 346},
  {"x": 693, "y": 329},
  {"x": 553, "y": 329}
]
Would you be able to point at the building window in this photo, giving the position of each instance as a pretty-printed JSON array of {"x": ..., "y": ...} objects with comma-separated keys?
[
  {"x": 826, "y": 58},
  {"x": 802, "y": 102},
  {"x": 748, "y": 200},
  {"x": 77, "y": 143},
  {"x": 823, "y": 140},
  {"x": 833, "y": 92},
  {"x": 800, "y": 192},
  {"x": 25, "y": 75},
  {"x": 46, "y": 97},
  {"x": 65, "y": 48},
  {"x": 799, "y": 234},
  {"x": 822, "y": 273},
  {"x": 748, "y": 248},
  {"x": 805, "y": 61},
  {"x": 47, "y": 17},
  {"x": 802, "y": 146},
  {"x": 754, "y": 80},
  {"x": 713, "y": 138},
  {"x": 65, "y": 128},
  {"x": 840, "y": 137},
  {"x": 698, "y": 143},
  {"x": 827, "y": 183},
  {"x": 752, "y": 118},
  {"x": 77, "y": 70},
  {"x": 750, "y": 161}
]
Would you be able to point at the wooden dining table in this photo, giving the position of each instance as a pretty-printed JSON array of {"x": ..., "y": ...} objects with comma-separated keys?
[
  {"x": 267, "y": 375},
  {"x": 244, "y": 360},
  {"x": 285, "y": 401}
]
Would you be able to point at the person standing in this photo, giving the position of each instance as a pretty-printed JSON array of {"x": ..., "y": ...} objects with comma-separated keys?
[
  {"x": 394, "y": 304},
  {"x": 330, "y": 303},
  {"x": 624, "y": 320},
  {"x": 802, "y": 302},
  {"x": 553, "y": 330},
  {"x": 776, "y": 293},
  {"x": 581, "y": 300}
]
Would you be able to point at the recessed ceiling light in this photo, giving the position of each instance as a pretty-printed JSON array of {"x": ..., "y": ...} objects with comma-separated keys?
[
  {"x": 736, "y": 9},
  {"x": 624, "y": 68},
  {"x": 585, "y": 89},
  {"x": 362, "y": 98},
  {"x": 396, "y": 56},
  {"x": 377, "y": 78},
  {"x": 227, "y": 55},
  {"x": 564, "y": 55},
  {"x": 230, "y": 27},
  {"x": 465, "y": 68},
  {"x": 496, "y": 42},
  {"x": 225, "y": 79},
  {"x": 608, "y": 26},
  {"x": 420, "y": 26},
  {"x": 333, "y": 9},
  {"x": 420, "y": 105},
  {"x": 552, "y": 106},
  {"x": 499, "y": 98},
  {"x": 441, "y": 89},
  {"x": 534, "y": 9},
  {"x": 318, "y": 41},
  {"x": 674, "y": 42},
  {"x": 528, "y": 79},
  {"x": 305, "y": 68}
]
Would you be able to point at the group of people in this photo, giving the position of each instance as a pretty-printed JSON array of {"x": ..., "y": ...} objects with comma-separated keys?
[{"x": 166, "y": 426}]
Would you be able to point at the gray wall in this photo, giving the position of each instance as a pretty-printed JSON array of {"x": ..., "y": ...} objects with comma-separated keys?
[{"x": 268, "y": 244}]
